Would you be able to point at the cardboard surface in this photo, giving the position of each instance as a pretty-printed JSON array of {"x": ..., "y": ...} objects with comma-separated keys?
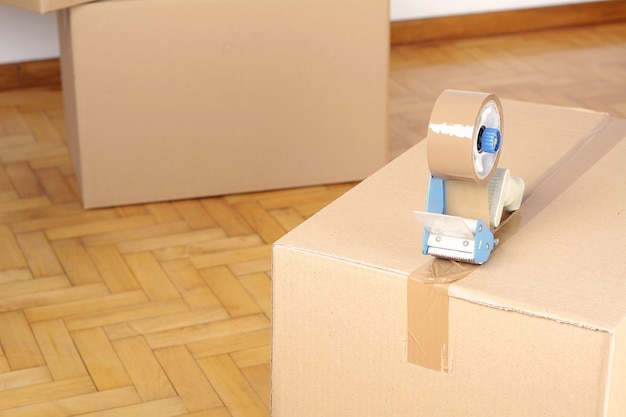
[
  {"x": 43, "y": 6},
  {"x": 199, "y": 98},
  {"x": 537, "y": 330}
]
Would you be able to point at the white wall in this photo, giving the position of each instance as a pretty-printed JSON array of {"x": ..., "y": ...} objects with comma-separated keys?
[
  {"x": 28, "y": 36},
  {"x": 419, "y": 9}
]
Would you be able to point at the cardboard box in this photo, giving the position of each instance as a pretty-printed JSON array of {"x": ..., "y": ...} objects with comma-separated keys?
[
  {"x": 43, "y": 6},
  {"x": 539, "y": 330},
  {"x": 181, "y": 99}
]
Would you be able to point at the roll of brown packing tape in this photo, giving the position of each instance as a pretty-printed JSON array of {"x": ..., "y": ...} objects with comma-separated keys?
[{"x": 453, "y": 139}]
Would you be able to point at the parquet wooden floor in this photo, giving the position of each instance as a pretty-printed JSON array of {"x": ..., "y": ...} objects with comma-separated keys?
[{"x": 165, "y": 309}]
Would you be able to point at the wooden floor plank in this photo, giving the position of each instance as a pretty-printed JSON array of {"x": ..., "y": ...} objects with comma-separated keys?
[
  {"x": 76, "y": 262},
  {"x": 251, "y": 267},
  {"x": 232, "y": 387},
  {"x": 182, "y": 274},
  {"x": 148, "y": 377},
  {"x": 306, "y": 210},
  {"x": 18, "y": 342},
  {"x": 105, "y": 367},
  {"x": 56, "y": 186},
  {"x": 188, "y": 379},
  {"x": 211, "y": 330},
  {"x": 30, "y": 286},
  {"x": 260, "y": 220},
  {"x": 133, "y": 210},
  {"x": 230, "y": 343},
  {"x": 12, "y": 256},
  {"x": 134, "y": 234},
  {"x": 258, "y": 378},
  {"x": 272, "y": 194},
  {"x": 54, "y": 216},
  {"x": 201, "y": 298},
  {"x": 120, "y": 330},
  {"x": 78, "y": 405},
  {"x": 287, "y": 217},
  {"x": 216, "y": 412},
  {"x": 52, "y": 297},
  {"x": 153, "y": 280},
  {"x": 163, "y": 212},
  {"x": 125, "y": 314},
  {"x": 23, "y": 180},
  {"x": 113, "y": 269},
  {"x": 15, "y": 275},
  {"x": 10, "y": 141},
  {"x": 11, "y": 119},
  {"x": 226, "y": 217},
  {"x": 231, "y": 256},
  {"x": 168, "y": 407},
  {"x": 96, "y": 227},
  {"x": 24, "y": 377},
  {"x": 46, "y": 392},
  {"x": 194, "y": 214},
  {"x": 58, "y": 350},
  {"x": 179, "y": 320},
  {"x": 4, "y": 364},
  {"x": 173, "y": 252},
  {"x": 39, "y": 124},
  {"x": 312, "y": 195},
  {"x": 252, "y": 357},
  {"x": 161, "y": 242},
  {"x": 39, "y": 254},
  {"x": 259, "y": 286},
  {"x": 61, "y": 162},
  {"x": 6, "y": 186},
  {"x": 12, "y": 206},
  {"x": 232, "y": 295},
  {"x": 36, "y": 150}
]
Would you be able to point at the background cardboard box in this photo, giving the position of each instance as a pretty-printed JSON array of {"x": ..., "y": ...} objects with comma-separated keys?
[
  {"x": 169, "y": 99},
  {"x": 43, "y": 6},
  {"x": 539, "y": 330}
]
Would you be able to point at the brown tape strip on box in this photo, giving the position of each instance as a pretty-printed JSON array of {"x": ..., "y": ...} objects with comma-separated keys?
[{"x": 427, "y": 286}]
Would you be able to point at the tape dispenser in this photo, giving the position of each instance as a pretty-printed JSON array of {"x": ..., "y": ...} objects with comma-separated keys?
[{"x": 467, "y": 192}]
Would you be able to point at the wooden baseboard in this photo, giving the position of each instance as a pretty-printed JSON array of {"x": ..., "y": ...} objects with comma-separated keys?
[
  {"x": 506, "y": 22},
  {"x": 30, "y": 74}
]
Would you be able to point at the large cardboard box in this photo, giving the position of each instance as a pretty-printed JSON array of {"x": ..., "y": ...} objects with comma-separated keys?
[
  {"x": 43, "y": 6},
  {"x": 169, "y": 99},
  {"x": 539, "y": 330}
]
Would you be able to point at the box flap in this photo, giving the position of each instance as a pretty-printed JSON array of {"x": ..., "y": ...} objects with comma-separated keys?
[
  {"x": 43, "y": 6},
  {"x": 530, "y": 266}
]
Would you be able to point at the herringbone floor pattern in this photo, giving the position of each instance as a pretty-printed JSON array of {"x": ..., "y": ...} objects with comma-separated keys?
[{"x": 165, "y": 309}]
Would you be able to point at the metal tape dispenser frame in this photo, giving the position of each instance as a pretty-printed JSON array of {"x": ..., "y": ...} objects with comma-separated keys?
[{"x": 467, "y": 192}]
